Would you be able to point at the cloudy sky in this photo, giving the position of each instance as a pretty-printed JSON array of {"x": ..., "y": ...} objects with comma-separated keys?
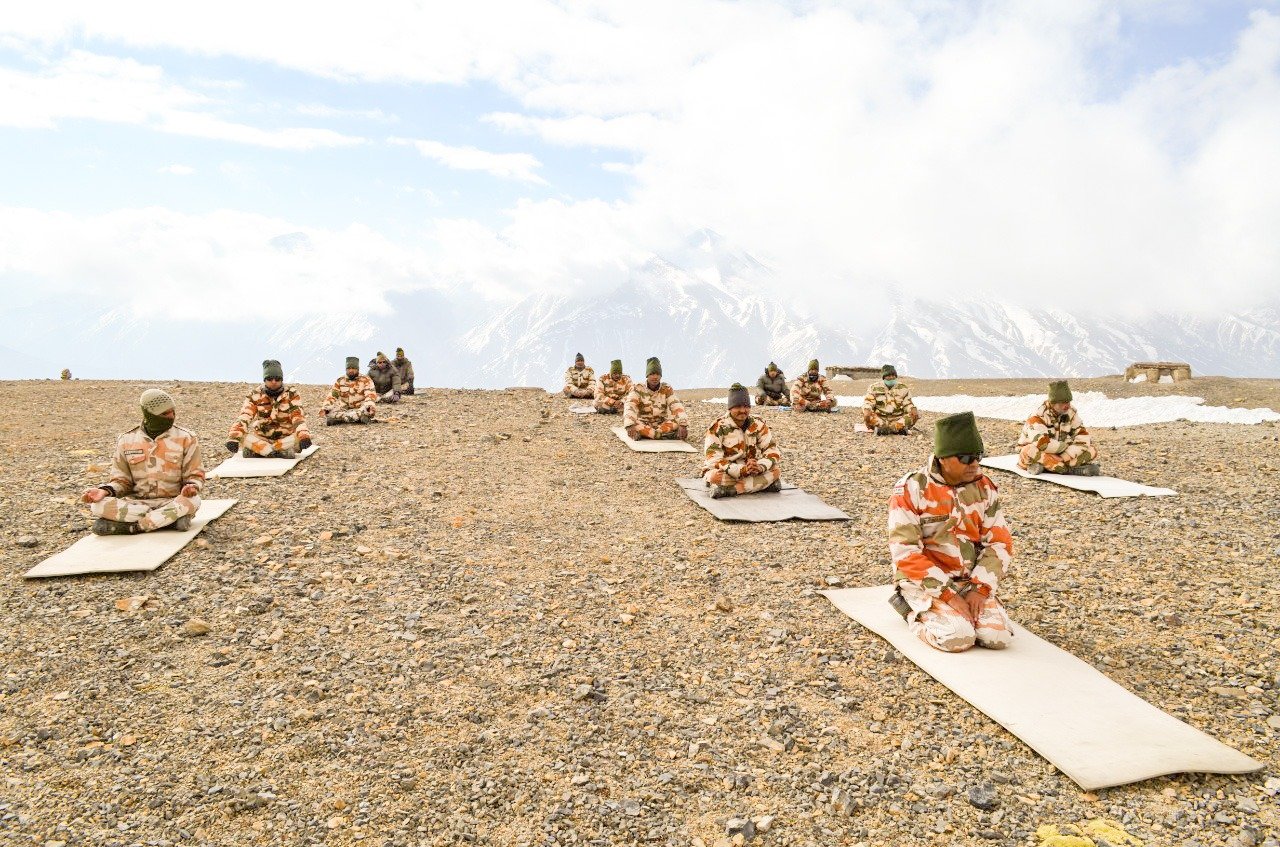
[{"x": 187, "y": 160}]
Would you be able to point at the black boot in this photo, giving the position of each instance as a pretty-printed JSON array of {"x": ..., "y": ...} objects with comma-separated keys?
[{"x": 102, "y": 526}]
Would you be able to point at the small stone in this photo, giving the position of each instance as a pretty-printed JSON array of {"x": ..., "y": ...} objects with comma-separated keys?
[
  {"x": 1274, "y": 721},
  {"x": 128, "y": 740},
  {"x": 765, "y": 823},
  {"x": 582, "y": 692},
  {"x": 771, "y": 744},
  {"x": 263, "y": 541},
  {"x": 130, "y": 604},
  {"x": 631, "y": 808},
  {"x": 327, "y": 535},
  {"x": 363, "y": 550},
  {"x": 1224, "y": 691},
  {"x": 28, "y": 541},
  {"x": 1247, "y": 806},
  {"x": 983, "y": 797},
  {"x": 80, "y": 613},
  {"x": 834, "y": 581},
  {"x": 193, "y": 628},
  {"x": 724, "y": 604}
]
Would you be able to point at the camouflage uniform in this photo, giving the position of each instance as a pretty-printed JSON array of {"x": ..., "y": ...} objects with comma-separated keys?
[
  {"x": 814, "y": 396},
  {"x": 351, "y": 401},
  {"x": 656, "y": 414},
  {"x": 386, "y": 382},
  {"x": 728, "y": 447},
  {"x": 772, "y": 390},
  {"x": 890, "y": 407},
  {"x": 946, "y": 540},
  {"x": 267, "y": 424},
  {"x": 404, "y": 374},
  {"x": 1056, "y": 442},
  {"x": 611, "y": 393},
  {"x": 147, "y": 478},
  {"x": 580, "y": 383}
]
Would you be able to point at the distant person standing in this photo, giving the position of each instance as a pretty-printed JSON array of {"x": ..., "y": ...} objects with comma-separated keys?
[
  {"x": 271, "y": 423},
  {"x": 579, "y": 380},
  {"x": 352, "y": 398},
  {"x": 888, "y": 408},
  {"x": 156, "y": 475},
  {"x": 653, "y": 410},
  {"x": 810, "y": 392},
  {"x": 1054, "y": 439}
]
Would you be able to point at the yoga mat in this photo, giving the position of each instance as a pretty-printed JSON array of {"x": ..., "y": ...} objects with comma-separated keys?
[
  {"x": 121, "y": 553},
  {"x": 1093, "y": 730},
  {"x": 649, "y": 445},
  {"x": 1106, "y": 486},
  {"x": 787, "y": 504},
  {"x": 239, "y": 466}
]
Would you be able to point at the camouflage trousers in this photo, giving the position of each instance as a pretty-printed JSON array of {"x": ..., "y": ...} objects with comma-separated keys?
[
  {"x": 1073, "y": 457},
  {"x": 898, "y": 423},
  {"x": 391, "y": 396},
  {"x": 946, "y": 629},
  {"x": 345, "y": 416},
  {"x": 608, "y": 406},
  {"x": 666, "y": 429},
  {"x": 260, "y": 446},
  {"x": 579, "y": 393},
  {"x": 815, "y": 406},
  {"x": 147, "y": 514},
  {"x": 770, "y": 400},
  {"x": 746, "y": 484}
]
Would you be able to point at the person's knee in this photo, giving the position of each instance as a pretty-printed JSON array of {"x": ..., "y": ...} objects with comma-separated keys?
[
  {"x": 992, "y": 639},
  {"x": 952, "y": 640}
]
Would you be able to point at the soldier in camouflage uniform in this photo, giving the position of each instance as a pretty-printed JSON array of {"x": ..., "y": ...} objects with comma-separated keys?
[
  {"x": 271, "y": 424},
  {"x": 386, "y": 382},
  {"x": 888, "y": 408},
  {"x": 352, "y": 398},
  {"x": 612, "y": 390},
  {"x": 652, "y": 409},
  {"x": 810, "y": 393},
  {"x": 771, "y": 388},
  {"x": 404, "y": 371},
  {"x": 950, "y": 544},
  {"x": 741, "y": 457},
  {"x": 156, "y": 475},
  {"x": 580, "y": 380},
  {"x": 1054, "y": 439}
]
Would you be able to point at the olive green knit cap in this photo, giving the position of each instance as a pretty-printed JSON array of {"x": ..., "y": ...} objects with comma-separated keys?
[
  {"x": 271, "y": 370},
  {"x": 956, "y": 434},
  {"x": 653, "y": 366},
  {"x": 615, "y": 367},
  {"x": 1059, "y": 392},
  {"x": 813, "y": 364}
]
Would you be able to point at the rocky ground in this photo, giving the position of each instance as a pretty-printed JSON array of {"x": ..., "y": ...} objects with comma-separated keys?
[{"x": 485, "y": 621}]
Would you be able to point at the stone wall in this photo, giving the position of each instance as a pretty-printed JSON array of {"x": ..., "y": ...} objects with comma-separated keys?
[
  {"x": 1179, "y": 371},
  {"x": 855, "y": 372}
]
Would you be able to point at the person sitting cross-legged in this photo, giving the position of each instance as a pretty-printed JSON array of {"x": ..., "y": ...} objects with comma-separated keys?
[
  {"x": 740, "y": 456},
  {"x": 271, "y": 423},
  {"x": 652, "y": 409}
]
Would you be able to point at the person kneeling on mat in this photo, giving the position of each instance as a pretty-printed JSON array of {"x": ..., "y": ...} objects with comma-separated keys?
[
  {"x": 156, "y": 475},
  {"x": 271, "y": 424},
  {"x": 1054, "y": 439},
  {"x": 741, "y": 457},
  {"x": 950, "y": 544}
]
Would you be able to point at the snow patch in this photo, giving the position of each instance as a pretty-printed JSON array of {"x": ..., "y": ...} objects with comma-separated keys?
[{"x": 1097, "y": 410}]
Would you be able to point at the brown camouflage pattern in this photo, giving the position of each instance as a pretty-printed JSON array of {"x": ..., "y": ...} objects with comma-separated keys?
[
  {"x": 1055, "y": 443},
  {"x": 611, "y": 393},
  {"x": 727, "y": 448}
]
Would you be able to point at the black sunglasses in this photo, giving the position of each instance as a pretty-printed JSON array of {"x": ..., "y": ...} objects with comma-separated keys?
[{"x": 968, "y": 458}]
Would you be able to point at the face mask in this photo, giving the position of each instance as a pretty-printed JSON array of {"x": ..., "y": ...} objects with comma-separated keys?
[
  {"x": 813, "y": 377},
  {"x": 155, "y": 425},
  {"x": 891, "y": 382}
]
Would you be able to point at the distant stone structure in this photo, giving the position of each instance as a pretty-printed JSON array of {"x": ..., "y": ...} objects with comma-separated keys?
[
  {"x": 1177, "y": 371},
  {"x": 856, "y": 372}
]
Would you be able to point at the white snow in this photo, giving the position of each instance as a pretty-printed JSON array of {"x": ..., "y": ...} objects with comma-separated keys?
[
  {"x": 1139, "y": 378},
  {"x": 1096, "y": 409}
]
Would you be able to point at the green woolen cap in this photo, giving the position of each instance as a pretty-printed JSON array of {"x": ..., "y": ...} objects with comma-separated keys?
[
  {"x": 271, "y": 370},
  {"x": 887, "y": 371},
  {"x": 738, "y": 395},
  {"x": 1059, "y": 392},
  {"x": 772, "y": 366},
  {"x": 653, "y": 366},
  {"x": 956, "y": 434},
  {"x": 813, "y": 364},
  {"x": 615, "y": 367},
  {"x": 353, "y": 362}
]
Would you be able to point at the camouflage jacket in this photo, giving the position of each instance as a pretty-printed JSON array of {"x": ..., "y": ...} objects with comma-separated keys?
[
  {"x": 727, "y": 447},
  {"x": 1052, "y": 433},
  {"x": 574, "y": 378},
  {"x": 653, "y": 407},
  {"x": 270, "y": 417},
  {"x": 888, "y": 402},
  {"x": 355, "y": 393},
  {"x": 156, "y": 469},
  {"x": 941, "y": 537},
  {"x": 384, "y": 379},
  {"x": 811, "y": 392},
  {"x": 775, "y": 386},
  {"x": 613, "y": 387}
]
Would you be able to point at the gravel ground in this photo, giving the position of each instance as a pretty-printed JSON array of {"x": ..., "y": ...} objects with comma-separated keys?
[{"x": 485, "y": 621}]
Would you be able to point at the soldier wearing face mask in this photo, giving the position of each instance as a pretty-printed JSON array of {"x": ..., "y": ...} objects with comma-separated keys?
[
  {"x": 811, "y": 393},
  {"x": 888, "y": 409},
  {"x": 1054, "y": 439}
]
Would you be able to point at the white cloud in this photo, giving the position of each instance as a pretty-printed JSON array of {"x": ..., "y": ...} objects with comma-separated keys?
[
  {"x": 83, "y": 85},
  {"x": 625, "y": 132},
  {"x": 518, "y": 166},
  {"x": 177, "y": 170}
]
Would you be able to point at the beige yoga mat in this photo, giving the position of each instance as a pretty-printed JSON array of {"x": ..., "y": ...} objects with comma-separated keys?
[
  {"x": 1087, "y": 726},
  {"x": 1106, "y": 486},
  {"x": 788, "y": 504},
  {"x": 651, "y": 445},
  {"x": 240, "y": 466},
  {"x": 121, "y": 553}
]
